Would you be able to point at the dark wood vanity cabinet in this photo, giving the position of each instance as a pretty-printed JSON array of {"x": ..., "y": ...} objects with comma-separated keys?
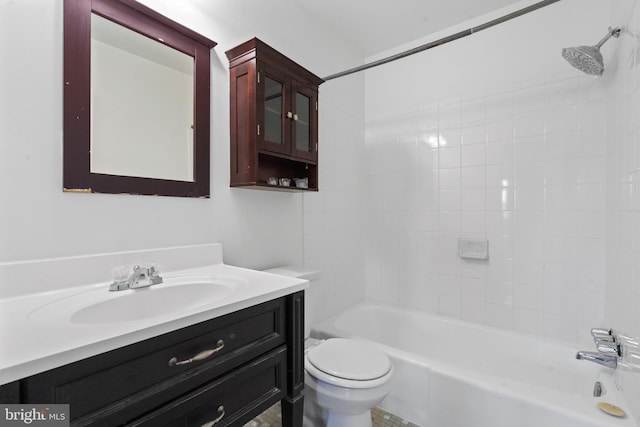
[
  {"x": 10, "y": 393},
  {"x": 274, "y": 118},
  {"x": 254, "y": 360}
]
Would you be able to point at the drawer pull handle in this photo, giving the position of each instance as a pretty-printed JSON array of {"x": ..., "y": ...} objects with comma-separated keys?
[
  {"x": 198, "y": 357},
  {"x": 217, "y": 420}
]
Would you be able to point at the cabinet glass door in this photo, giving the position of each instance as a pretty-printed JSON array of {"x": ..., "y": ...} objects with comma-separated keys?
[
  {"x": 273, "y": 111},
  {"x": 305, "y": 123}
]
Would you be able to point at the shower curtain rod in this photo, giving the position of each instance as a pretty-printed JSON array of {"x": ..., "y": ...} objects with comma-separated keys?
[{"x": 444, "y": 40}]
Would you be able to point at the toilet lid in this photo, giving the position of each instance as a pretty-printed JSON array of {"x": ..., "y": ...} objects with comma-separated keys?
[{"x": 349, "y": 359}]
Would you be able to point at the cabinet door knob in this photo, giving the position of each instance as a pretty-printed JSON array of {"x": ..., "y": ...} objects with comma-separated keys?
[
  {"x": 217, "y": 420},
  {"x": 198, "y": 357},
  {"x": 295, "y": 117},
  {"x": 289, "y": 115}
]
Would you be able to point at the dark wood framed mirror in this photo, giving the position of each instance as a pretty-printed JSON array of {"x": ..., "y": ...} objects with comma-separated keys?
[{"x": 84, "y": 112}]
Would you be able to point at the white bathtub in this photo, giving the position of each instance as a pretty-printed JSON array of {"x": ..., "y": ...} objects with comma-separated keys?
[{"x": 450, "y": 373}]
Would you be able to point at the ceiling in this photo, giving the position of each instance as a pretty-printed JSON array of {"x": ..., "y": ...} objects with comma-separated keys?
[{"x": 373, "y": 26}]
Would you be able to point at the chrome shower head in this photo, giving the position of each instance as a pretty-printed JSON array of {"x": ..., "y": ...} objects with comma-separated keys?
[{"x": 588, "y": 59}]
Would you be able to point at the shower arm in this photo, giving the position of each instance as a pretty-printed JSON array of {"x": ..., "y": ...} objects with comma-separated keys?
[
  {"x": 612, "y": 33},
  {"x": 450, "y": 38}
]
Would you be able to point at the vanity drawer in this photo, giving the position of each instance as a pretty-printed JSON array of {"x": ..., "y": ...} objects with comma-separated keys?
[
  {"x": 114, "y": 387},
  {"x": 232, "y": 400}
]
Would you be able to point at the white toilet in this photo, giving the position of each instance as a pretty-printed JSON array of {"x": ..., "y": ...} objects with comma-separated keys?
[{"x": 344, "y": 378}]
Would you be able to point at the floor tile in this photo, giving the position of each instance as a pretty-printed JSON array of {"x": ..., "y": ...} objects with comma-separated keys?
[{"x": 380, "y": 418}]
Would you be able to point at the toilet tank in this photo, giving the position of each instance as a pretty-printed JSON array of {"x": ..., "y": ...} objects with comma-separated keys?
[{"x": 310, "y": 294}]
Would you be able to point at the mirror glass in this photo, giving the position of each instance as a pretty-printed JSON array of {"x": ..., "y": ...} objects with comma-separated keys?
[{"x": 141, "y": 105}]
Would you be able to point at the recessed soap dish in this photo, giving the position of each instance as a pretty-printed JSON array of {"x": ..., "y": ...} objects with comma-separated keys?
[{"x": 473, "y": 248}]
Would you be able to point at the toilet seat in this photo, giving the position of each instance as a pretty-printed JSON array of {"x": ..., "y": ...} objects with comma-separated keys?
[{"x": 348, "y": 363}]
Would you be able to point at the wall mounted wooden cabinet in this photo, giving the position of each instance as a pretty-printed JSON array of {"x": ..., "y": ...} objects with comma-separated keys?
[{"x": 274, "y": 118}]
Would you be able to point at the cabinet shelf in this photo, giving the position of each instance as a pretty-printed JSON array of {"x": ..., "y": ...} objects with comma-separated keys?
[
  {"x": 281, "y": 166},
  {"x": 267, "y": 141},
  {"x": 276, "y": 112},
  {"x": 297, "y": 161},
  {"x": 266, "y": 187}
]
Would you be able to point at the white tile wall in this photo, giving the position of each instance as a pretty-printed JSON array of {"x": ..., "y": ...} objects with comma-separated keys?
[
  {"x": 538, "y": 158},
  {"x": 623, "y": 190},
  {"x": 492, "y": 149}
]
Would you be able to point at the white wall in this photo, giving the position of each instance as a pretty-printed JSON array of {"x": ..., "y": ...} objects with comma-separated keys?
[
  {"x": 258, "y": 228},
  {"x": 493, "y": 136},
  {"x": 623, "y": 189},
  {"x": 330, "y": 220},
  {"x": 334, "y": 217}
]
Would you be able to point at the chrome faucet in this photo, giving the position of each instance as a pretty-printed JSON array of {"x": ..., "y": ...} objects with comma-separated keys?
[
  {"x": 608, "y": 360},
  {"x": 608, "y": 349},
  {"x": 140, "y": 277}
]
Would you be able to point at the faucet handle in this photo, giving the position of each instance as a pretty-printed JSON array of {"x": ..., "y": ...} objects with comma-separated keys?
[
  {"x": 120, "y": 277},
  {"x": 146, "y": 269},
  {"x": 120, "y": 273},
  {"x": 609, "y": 348},
  {"x": 153, "y": 270},
  {"x": 600, "y": 332},
  {"x": 153, "y": 274},
  {"x": 604, "y": 339}
]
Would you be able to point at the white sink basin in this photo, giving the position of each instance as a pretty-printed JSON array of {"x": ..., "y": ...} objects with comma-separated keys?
[
  {"x": 148, "y": 302},
  {"x": 100, "y": 306}
]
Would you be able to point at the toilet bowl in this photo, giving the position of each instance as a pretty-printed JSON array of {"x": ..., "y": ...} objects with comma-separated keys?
[{"x": 344, "y": 378}]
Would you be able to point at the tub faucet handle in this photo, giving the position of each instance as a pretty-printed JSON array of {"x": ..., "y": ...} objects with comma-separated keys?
[
  {"x": 604, "y": 339},
  {"x": 600, "y": 332},
  {"x": 609, "y": 348}
]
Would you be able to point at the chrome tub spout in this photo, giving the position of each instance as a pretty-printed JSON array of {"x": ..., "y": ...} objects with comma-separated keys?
[{"x": 608, "y": 360}]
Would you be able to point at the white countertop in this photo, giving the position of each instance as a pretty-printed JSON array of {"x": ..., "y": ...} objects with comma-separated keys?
[{"x": 33, "y": 342}]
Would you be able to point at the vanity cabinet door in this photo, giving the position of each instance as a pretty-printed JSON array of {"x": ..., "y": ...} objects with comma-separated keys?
[
  {"x": 232, "y": 400},
  {"x": 118, "y": 386}
]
